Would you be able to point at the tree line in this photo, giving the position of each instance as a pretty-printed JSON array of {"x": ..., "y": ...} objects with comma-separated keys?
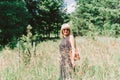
[
  {"x": 45, "y": 17},
  {"x": 91, "y": 18}
]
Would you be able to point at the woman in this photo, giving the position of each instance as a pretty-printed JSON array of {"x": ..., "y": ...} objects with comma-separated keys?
[{"x": 67, "y": 61}]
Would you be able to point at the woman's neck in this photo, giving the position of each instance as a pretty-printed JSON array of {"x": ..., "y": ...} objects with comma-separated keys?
[{"x": 65, "y": 36}]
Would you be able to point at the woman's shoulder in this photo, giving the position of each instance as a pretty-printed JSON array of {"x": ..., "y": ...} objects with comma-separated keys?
[{"x": 71, "y": 36}]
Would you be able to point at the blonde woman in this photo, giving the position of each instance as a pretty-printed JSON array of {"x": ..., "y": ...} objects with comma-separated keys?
[{"x": 67, "y": 61}]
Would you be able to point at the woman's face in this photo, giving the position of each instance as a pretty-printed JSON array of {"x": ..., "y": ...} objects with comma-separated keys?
[{"x": 66, "y": 32}]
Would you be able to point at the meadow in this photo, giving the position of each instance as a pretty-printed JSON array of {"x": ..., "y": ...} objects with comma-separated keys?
[{"x": 100, "y": 60}]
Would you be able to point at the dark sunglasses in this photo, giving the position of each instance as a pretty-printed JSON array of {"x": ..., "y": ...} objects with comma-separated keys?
[{"x": 66, "y": 29}]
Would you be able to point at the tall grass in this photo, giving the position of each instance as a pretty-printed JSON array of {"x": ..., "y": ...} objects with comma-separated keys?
[{"x": 100, "y": 60}]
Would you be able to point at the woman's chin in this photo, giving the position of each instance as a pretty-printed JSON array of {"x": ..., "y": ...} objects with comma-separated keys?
[{"x": 66, "y": 34}]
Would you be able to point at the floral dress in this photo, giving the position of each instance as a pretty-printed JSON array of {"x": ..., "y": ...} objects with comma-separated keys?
[{"x": 66, "y": 68}]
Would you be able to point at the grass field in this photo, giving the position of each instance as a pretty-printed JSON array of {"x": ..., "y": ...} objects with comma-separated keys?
[{"x": 100, "y": 60}]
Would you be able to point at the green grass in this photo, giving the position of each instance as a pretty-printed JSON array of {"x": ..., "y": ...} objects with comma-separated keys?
[{"x": 100, "y": 60}]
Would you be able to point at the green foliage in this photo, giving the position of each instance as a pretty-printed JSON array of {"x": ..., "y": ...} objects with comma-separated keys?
[
  {"x": 13, "y": 19},
  {"x": 47, "y": 16},
  {"x": 96, "y": 17},
  {"x": 26, "y": 46}
]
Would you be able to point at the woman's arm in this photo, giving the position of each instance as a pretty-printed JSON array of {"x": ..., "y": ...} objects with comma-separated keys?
[{"x": 73, "y": 46}]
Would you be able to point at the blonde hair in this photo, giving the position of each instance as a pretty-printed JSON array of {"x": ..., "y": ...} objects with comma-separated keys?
[{"x": 64, "y": 26}]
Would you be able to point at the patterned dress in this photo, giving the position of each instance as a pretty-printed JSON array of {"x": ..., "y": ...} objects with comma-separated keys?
[{"x": 66, "y": 68}]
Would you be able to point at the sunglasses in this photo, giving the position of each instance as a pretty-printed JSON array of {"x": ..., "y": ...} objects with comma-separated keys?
[{"x": 66, "y": 29}]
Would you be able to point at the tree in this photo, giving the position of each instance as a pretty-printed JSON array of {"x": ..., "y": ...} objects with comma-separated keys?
[
  {"x": 13, "y": 20},
  {"x": 47, "y": 16},
  {"x": 99, "y": 17}
]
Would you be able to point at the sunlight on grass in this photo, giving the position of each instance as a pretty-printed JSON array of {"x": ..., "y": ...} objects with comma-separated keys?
[{"x": 99, "y": 61}]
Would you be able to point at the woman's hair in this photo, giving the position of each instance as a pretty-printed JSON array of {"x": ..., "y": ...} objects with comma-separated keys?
[{"x": 64, "y": 26}]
